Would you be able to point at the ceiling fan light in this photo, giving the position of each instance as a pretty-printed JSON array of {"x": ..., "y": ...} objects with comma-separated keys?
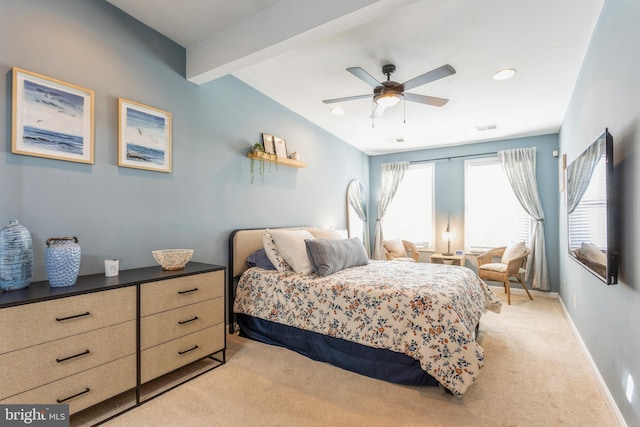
[{"x": 388, "y": 99}]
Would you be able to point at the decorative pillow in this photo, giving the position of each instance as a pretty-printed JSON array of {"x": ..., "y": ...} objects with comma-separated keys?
[
  {"x": 328, "y": 256},
  {"x": 290, "y": 244},
  {"x": 260, "y": 259},
  {"x": 513, "y": 250},
  {"x": 395, "y": 248},
  {"x": 273, "y": 254},
  {"x": 325, "y": 233}
]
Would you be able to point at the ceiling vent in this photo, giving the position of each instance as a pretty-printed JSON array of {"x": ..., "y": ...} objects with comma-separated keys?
[{"x": 486, "y": 128}]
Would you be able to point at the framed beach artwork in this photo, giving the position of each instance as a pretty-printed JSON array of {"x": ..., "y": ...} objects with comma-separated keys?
[
  {"x": 144, "y": 137},
  {"x": 51, "y": 118}
]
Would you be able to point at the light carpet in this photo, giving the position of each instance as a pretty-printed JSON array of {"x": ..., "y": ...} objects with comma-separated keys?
[{"x": 535, "y": 375}]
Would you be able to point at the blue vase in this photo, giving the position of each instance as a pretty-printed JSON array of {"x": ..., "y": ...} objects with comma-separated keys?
[
  {"x": 16, "y": 257},
  {"x": 62, "y": 261}
]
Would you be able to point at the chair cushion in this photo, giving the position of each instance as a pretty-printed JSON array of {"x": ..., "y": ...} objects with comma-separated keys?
[
  {"x": 395, "y": 248},
  {"x": 499, "y": 268},
  {"x": 513, "y": 250},
  {"x": 495, "y": 266}
]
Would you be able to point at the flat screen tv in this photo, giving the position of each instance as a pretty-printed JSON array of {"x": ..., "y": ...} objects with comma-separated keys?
[{"x": 591, "y": 209}]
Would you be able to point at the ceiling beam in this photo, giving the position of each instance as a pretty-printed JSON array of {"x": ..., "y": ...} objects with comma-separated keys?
[{"x": 285, "y": 25}]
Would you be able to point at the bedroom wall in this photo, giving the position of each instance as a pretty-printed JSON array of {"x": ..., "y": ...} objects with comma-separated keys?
[
  {"x": 606, "y": 95},
  {"x": 449, "y": 193},
  {"x": 125, "y": 213}
]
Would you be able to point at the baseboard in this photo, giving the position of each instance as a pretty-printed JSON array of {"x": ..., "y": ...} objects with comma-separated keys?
[{"x": 611, "y": 403}]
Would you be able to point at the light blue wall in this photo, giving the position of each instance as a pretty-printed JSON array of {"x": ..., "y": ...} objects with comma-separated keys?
[
  {"x": 126, "y": 213},
  {"x": 607, "y": 94},
  {"x": 449, "y": 196}
]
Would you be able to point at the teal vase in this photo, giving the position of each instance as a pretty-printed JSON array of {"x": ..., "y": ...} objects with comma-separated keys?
[{"x": 16, "y": 257}]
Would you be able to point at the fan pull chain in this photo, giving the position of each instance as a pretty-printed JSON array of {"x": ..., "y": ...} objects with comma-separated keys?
[{"x": 404, "y": 110}]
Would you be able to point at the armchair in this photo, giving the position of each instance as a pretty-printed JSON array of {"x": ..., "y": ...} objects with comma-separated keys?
[
  {"x": 511, "y": 266},
  {"x": 400, "y": 250}
]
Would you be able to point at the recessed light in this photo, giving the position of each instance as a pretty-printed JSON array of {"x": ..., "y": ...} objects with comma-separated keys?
[
  {"x": 338, "y": 111},
  {"x": 504, "y": 74}
]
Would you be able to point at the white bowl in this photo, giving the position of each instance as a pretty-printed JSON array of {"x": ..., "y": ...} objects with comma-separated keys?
[{"x": 172, "y": 259}]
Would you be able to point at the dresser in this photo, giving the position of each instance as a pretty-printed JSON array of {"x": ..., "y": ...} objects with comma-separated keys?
[{"x": 107, "y": 338}]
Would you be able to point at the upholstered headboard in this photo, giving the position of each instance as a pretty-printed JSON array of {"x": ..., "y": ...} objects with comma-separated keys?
[{"x": 242, "y": 243}]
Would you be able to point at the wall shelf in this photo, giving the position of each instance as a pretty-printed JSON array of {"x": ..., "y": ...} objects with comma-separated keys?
[{"x": 280, "y": 160}]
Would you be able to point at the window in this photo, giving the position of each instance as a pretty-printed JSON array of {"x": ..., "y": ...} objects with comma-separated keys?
[
  {"x": 410, "y": 216},
  {"x": 493, "y": 215}
]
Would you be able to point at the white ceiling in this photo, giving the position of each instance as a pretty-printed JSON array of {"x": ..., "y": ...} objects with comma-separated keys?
[{"x": 297, "y": 51}]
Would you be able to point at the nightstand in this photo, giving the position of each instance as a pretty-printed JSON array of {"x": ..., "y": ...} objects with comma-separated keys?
[{"x": 447, "y": 259}]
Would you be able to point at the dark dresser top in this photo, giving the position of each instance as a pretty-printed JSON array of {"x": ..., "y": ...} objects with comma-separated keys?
[{"x": 41, "y": 291}]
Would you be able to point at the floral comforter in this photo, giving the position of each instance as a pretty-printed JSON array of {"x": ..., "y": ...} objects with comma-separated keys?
[{"x": 427, "y": 311}]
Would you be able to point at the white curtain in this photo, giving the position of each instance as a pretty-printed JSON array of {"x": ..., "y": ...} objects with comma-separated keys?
[
  {"x": 579, "y": 174},
  {"x": 392, "y": 174},
  {"x": 520, "y": 167},
  {"x": 358, "y": 201}
]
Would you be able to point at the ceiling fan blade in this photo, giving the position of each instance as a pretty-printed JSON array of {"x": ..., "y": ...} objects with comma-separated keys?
[
  {"x": 438, "y": 73},
  {"x": 364, "y": 76},
  {"x": 423, "y": 99},
  {"x": 346, "y": 98},
  {"x": 378, "y": 111}
]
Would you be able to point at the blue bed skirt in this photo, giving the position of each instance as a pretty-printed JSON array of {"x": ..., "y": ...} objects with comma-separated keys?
[{"x": 377, "y": 363}]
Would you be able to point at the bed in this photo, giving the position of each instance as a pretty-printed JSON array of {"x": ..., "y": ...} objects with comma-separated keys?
[{"x": 408, "y": 323}]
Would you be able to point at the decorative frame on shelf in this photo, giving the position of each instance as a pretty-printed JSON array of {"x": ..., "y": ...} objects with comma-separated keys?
[
  {"x": 144, "y": 137},
  {"x": 268, "y": 144},
  {"x": 280, "y": 146},
  {"x": 51, "y": 118}
]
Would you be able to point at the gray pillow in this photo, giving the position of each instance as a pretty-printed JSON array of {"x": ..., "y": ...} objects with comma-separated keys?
[{"x": 328, "y": 256}]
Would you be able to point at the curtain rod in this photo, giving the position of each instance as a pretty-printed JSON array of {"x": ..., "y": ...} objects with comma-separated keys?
[{"x": 452, "y": 157}]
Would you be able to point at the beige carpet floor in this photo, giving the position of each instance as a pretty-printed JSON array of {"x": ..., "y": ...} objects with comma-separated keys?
[{"x": 535, "y": 375}]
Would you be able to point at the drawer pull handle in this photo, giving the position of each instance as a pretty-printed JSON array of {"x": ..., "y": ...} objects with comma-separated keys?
[
  {"x": 60, "y": 319},
  {"x": 182, "y": 322},
  {"x": 188, "y": 291},
  {"x": 75, "y": 395},
  {"x": 74, "y": 356},
  {"x": 187, "y": 351}
]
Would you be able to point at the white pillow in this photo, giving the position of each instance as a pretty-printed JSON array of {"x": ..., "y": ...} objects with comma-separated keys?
[
  {"x": 290, "y": 244},
  {"x": 513, "y": 250},
  {"x": 273, "y": 254},
  {"x": 325, "y": 233}
]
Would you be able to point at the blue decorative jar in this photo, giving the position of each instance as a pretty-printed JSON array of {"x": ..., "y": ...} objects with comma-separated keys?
[
  {"x": 62, "y": 261},
  {"x": 16, "y": 257}
]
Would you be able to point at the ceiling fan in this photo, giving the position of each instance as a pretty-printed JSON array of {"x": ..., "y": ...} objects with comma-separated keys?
[{"x": 389, "y": 93}]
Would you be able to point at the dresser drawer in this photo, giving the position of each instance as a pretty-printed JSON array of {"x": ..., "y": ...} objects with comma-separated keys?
[
  {"x": 168, "y": 325},
  {"x": 102, "y": 383},
  {"x": 31, "y": 367},
  {"x": 172, "y": 293},
  {"x": 166, "y": 357},
  {"x": 31, "y": 324}
]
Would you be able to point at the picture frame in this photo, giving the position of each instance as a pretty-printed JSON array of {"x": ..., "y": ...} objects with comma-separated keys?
[
  {"x": 280, "y": 146},
  {"x": 51, "y": 118},
  {"x": 459, "y": 252},
  {"x": 144, "y": 137},
  {"x": 268, "y": 144}
]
